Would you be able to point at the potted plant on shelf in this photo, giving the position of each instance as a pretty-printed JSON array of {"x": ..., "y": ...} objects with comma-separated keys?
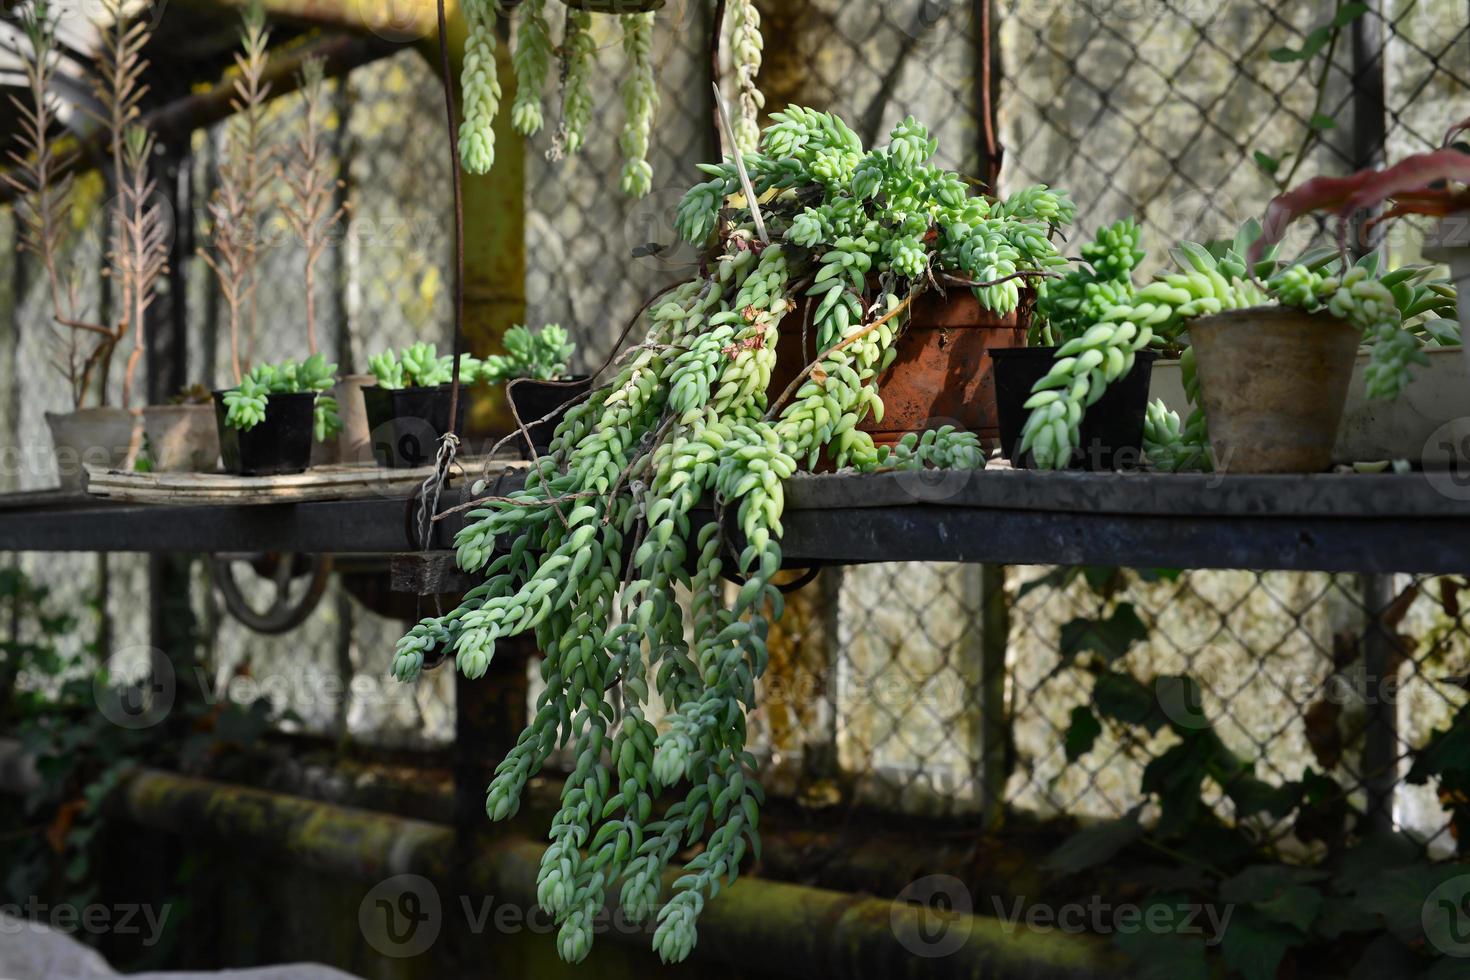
[
  {"x": 137, "y": 253},
  {"x": 690, "y": 413},
  {"x": 408, "y": 408},
  {"x": 1272, "y": 346},
  {"x": 267, "y": 422},
  {"x": 182, "y": 437},
  {"x": 534, "y": 372},
  {"x": 1069, "y": 314}
]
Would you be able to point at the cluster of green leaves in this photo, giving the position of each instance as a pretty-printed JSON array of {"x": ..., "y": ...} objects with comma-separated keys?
[
  {"x": 1109, "y": 320},
  {"x": 1361, "y": 907},
  {"x": 422, "y": 366},
  {"x": 247, "y": 403},
  {"x": 1326, "y": 36},
  {"x": 540, "y": 354},
  {"x": 686, "y": 418},
  {"x": 52, "y": 678}
]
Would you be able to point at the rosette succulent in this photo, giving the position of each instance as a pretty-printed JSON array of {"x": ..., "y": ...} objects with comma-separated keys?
[
  {"x": 422, "y": 366},
  {"x": 248, "y": 402},
  {"x": 541, "y": 354},
  {"x": 602, "y": 554}
]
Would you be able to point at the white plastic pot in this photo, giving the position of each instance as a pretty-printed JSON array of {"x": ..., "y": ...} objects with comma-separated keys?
[
  {"x": 103, "y": 437},
  {"x": 1449, "y": 243}
]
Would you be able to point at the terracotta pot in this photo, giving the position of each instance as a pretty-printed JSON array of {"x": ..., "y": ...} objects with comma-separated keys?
[
  {"x": 943, "y": 373},
  {"x": 1273, "y": 381},
  {"x": 182, "y": 438},
  {"x": 102, "y": 437}
]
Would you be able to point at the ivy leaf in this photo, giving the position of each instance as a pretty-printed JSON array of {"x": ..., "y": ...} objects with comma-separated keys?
[
  {"x": 1266, "y": 162},
  {"x": 1340, "y": 915},
  {"x": 1164, "y": 956},
  {"x": 1263, "y": 882},
  {"x": 1379, "y": 853},
  {"x": 1314, "y": 42},
  {"x": 1319, "y": 121},
  {"x": 1110, "y": 638},
  {"x": 1349, "y": 13},
  {"x": 1296, "y": 906},
  {"x": 1096, "y": 844},
  {"x": 1081, "y": 733},
  {"x": 1254, "y": 947},
  {"x": 1399, "y": 895},
  {"x": 1252, "y": 795},
  {"x": 1122, "y": 698}
]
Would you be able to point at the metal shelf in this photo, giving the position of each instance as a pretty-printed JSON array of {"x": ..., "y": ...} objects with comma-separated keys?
[{"x": 1387, "y": 523}]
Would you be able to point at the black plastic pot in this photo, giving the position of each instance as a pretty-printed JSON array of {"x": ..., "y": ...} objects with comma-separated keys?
[
  {"x": 406, "y": 424},
  {"x": 281, "y": 443},
  {"x": 550, "y": 400},
  {"x": 1112, "y": 428}
]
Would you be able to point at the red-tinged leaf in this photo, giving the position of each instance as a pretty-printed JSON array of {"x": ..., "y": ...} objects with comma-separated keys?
[
  {"x": 1456, "y": 130},
  {"x": 1343, "y": 196}
]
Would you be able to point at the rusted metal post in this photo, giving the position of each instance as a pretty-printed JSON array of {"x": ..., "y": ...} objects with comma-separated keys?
[
  {"x": 995, "y": 631},
  {"x": 1380, "y": 694}
]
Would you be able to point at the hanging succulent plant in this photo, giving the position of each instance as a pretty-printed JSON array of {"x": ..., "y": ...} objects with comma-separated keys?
[
  {"x": 1112, "y": 321},
  {"x": 595, "y": 551},
  {"x": 531, "y": 58}
]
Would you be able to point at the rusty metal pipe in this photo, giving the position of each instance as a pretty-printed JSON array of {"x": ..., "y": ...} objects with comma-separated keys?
[{"x": 788, "y": 929}]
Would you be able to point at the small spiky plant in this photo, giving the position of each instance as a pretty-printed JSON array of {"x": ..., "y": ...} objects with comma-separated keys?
[
  {"x": 311, "y": 214},
  {"x": 236, "y": 204},
  {"x": 38, "y": 175},
  {"x": 138, "y": 250}
]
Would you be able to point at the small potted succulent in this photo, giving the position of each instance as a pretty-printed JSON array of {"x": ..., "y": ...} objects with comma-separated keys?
[
  {"x": 1435, "y": 184},
  {"x": 1069, "y": 313},
  {"x": 1270, "y": 355},
  {"x": 267, "y": 422},
  {"x": 182, "y": 436},
  {"x": 534, "y": 372},
  {"x": 408, "y": 408},
  {"x": 138, "y": 255}
]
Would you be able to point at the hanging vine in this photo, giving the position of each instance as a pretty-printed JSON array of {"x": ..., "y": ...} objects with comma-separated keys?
[{"x": 592, "y": 554}]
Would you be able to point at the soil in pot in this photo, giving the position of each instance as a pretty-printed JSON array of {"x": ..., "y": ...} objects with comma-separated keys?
[
  {"x": 102, "y": 437},
  {"x": 1273, "y": 381},
  {"x": 406, "y": 424},
  {"x": 1111, "y": 431},
  {"x": 943, "y": 374},
  {"x": 279, "y": 444},
  {"x": 547, "y": 400},
  {"x": 182, "y": 438}
]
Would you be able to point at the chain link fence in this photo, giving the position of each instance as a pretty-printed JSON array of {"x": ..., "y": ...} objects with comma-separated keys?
[{"x": 947, "y": 692}]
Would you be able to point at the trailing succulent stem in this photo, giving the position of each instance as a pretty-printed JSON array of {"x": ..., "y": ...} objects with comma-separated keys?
[
  {"x": 593, "y": 554},
  {"x": 1102, "y": 322}
]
